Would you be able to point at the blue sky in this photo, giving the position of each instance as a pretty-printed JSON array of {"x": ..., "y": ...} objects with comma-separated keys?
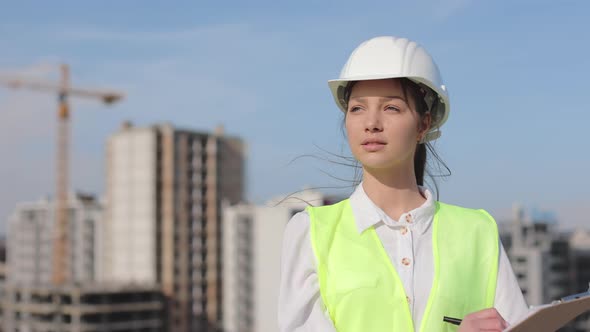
[{"x": 516, "y": 71}]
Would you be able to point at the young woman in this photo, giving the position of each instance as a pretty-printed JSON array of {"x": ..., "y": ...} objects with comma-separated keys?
[{"x": 391, "y": 257}]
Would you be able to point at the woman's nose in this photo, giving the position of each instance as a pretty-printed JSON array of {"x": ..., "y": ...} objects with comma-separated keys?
[{"x": 373, "y": 123}]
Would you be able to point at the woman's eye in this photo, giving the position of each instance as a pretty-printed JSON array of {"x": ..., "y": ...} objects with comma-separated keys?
[
  {"x": 392, "y": 108},
  {"x": 354, "y": 109}
]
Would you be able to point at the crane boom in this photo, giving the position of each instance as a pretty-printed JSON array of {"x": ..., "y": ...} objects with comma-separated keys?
[{"x": 16, "y": 83}]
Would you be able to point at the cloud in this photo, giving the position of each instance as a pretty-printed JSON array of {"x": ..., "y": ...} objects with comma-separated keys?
[{"x": 94, "y": 33}]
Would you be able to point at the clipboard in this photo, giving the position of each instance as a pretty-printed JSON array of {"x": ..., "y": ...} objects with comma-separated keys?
[{"x": 551, "y": 317}]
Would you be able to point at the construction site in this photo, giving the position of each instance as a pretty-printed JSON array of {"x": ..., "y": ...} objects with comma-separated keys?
[
  {"x": 90, "y": 308},
  {"x": 76, "y": 260}
]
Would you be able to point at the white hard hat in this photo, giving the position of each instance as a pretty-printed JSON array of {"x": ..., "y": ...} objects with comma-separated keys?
[{"x": 392, "y": 57}]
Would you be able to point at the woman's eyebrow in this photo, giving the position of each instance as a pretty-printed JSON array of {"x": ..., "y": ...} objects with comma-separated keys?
[{"x": 364, "y": 99}]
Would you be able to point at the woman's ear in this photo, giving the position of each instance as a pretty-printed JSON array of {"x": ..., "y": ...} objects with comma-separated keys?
[{"x": 424, "y": 126}]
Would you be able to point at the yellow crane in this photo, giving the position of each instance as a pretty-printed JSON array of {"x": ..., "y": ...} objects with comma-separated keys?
[{"x": 60, "y": 273}]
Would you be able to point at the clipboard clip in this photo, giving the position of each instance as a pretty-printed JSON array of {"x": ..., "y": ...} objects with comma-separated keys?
[{"x": 576, "y": 296}]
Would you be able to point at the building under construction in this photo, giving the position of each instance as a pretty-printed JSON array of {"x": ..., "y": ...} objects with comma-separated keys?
[
  {"x": 83, "y": 308},
  {"x": 30, "y": 244},
  {"x": 163, "y": 216}
]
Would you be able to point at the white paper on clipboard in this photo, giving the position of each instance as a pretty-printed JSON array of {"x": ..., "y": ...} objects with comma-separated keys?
[{"x": 550, "y": 317}]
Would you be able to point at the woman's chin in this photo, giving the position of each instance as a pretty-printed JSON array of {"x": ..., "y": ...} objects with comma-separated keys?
[{"x": 377, "y": 164}]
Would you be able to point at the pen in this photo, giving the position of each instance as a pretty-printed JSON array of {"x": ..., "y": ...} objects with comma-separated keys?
[{"x": 451, "y": 320}]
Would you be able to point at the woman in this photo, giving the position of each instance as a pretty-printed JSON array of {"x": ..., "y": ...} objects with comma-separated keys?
[{"x": 391, "y": 257}]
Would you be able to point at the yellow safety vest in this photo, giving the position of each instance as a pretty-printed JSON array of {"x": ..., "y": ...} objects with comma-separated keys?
[{"x": 362, "y": 291}]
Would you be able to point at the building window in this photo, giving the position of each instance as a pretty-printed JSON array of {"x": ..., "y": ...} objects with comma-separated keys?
[{"x": 521, "y": 259}]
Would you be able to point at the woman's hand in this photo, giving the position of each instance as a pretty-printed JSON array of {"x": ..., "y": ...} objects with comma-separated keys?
[{"x": 483, "y": 320}]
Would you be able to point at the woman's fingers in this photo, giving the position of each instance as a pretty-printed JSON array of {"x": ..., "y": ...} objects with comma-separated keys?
[{"x": 483, "y": 320}]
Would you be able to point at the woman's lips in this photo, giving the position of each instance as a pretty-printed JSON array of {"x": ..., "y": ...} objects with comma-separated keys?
[{"x": 373, "y": 145}]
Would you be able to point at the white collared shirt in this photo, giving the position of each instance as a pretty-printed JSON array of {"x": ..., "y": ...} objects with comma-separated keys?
[{"x": 408, "y": 243}]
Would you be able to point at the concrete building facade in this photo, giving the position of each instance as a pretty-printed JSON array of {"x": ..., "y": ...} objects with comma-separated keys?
[
  {"x": 253, "y": 237},
  {"x": 89, "y": 308},
  {"x": 580, "y": 252},
  {"x": 540, "y": 257},
  {"x": 163, "y": 215},
  {"x": 31, "y": 234},
  {"x": 548, "y": 263}
]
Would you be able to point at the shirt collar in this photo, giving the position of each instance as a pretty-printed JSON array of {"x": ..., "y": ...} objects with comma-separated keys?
[{"x": 367, "y": 214}]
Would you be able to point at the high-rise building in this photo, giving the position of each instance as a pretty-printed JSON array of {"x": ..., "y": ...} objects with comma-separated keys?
[
  {"x": 253, "y": 237},
  {"x": 540, "y": 256},
  {"x": 163, "y": 215},
  {"x": 580, "y": 248},
  {"x": 31, "y": 238},
  {"x": 549, "y": 264}
]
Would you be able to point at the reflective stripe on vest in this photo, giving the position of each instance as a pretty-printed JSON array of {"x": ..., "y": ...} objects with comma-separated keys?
[{"x": 362, "y": 291}]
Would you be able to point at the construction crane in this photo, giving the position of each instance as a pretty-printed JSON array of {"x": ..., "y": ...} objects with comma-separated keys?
[{"x": 61, "y": 252}]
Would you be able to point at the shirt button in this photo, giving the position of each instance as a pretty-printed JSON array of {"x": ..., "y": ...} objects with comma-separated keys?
[
  {"x": 409, "y": 218},
  {"x": 408, "y": 299},
  {"x": 404, "y": 230},
  {"x": 406, "y": 261}
]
